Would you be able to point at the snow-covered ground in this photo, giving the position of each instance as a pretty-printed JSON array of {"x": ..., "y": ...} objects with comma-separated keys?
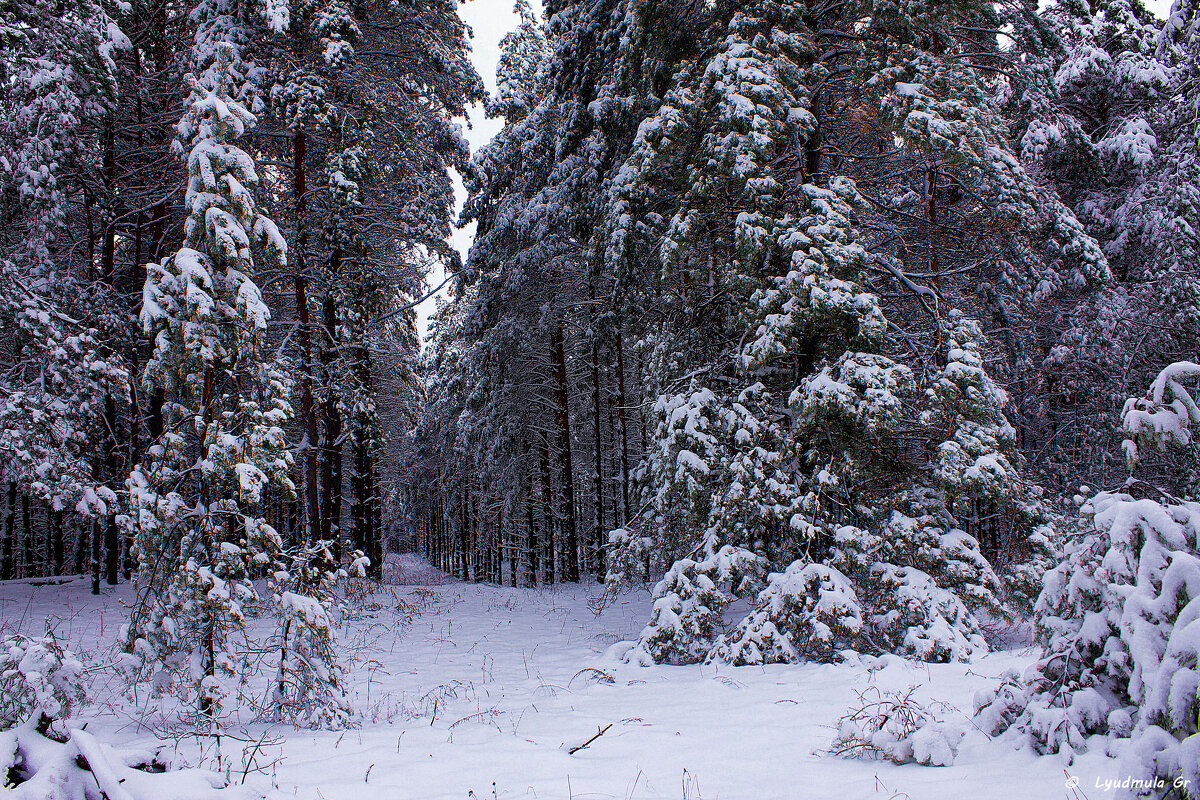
[{"x": 480, "y": 691}]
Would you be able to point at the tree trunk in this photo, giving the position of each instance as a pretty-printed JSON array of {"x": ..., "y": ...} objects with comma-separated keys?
[
  {"x": 480, "y": 543},
  {"x": 56, "y": 540},
  {"x": 812, "y": 147},
  {"x": 208, "y": 664},
  {"x": 112, "y": 539},
  {"x": 433, "y": 544},
  {"x": 442, "y": 534},
  {"x": 27, "y": 541},
  {"x": 566, "y": 473},
  {"x": 137, "y": 280},
  {"x": 497, "y": 557},
  {"x": 464, "y": 536},
  {"x": 10, "y": 532},
  {"x": 155, "y": 422},
  {"x": 622, "y": 436},
  {"x": 208, "y": 634},
  {"x": 78, "y": 555},
  {"x": 358, "y": 493},
  {"x": 135, "y": 445},
  {"x": 597, "y": 471},
  {"x": 109, "y": 245},
  {"x": 512, "y": 551},
  {"x": 375, "y": 490},
  {"x": 47, "y": 566},
  {"x": 367, "y": 536},
  {"x": 331, "y": 449},
  {"x": 112, "y": 550},
  {"x": 532, "y": 553},
  {"x": 930, "y": 186},
  {"x": 109, "y": 274},
  {"x": 308, "y": 411},
  {"x": 641, "y": 417},
  {"x": 81, "y": 540},
  {"x": 95, "y": 556},
  {"x": 549, "y": 528}
]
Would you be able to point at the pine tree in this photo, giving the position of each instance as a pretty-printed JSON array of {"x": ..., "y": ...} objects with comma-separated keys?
[
  {"x": 1116, "y": 619},
  {"x": 795, "y": 285},
  {"x": 197, "y": 499},
  {"x": 1103, "y": 126}
]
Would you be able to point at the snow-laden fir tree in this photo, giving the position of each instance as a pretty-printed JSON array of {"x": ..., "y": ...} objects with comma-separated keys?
[
  {"x": 522, "y": 52},
  {"x": 41, "y": 683},
  {"x": 1117, "y": 619},
  {"x": 1127, "y": 84},
  {"x": 726, "y": 185},
  {"x": 196, "y": 499},
  {"x": 980, "y": 473}
]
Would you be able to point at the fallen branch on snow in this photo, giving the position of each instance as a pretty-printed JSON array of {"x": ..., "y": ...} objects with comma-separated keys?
[{"x": 600, "y": 732}]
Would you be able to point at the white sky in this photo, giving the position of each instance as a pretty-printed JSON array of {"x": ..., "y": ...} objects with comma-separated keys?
[{"x": 490, "y": 20}]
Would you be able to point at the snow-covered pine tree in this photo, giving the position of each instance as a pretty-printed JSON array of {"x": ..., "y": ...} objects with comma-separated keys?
[
  {"x": 60, "y": 68},
  {"x": 839, "y": 412},
  {"x": 196, "y": 499},
  {"x": 1117, "y": 618},
  {"x": 41, "y": 683},
  {"x": 522, "y": 53},
  {"x": 981, "y": 472},
  {"x": 1104, "y": 124},
  {"x": 727, "y": 185},
  {"x": 714, "y": 466},
  {"x": 712, "y": 478},
  {"x": 978, "y": 462},
  {"x": 808, "y": 612}
]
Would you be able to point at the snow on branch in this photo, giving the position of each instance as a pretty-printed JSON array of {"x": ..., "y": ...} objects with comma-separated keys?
[{"x": 1166, "y": 414}]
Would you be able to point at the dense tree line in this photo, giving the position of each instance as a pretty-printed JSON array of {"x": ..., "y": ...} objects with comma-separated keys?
[
  {"x": 811, "y": 285},
  {"x": 355, "y": 136}
]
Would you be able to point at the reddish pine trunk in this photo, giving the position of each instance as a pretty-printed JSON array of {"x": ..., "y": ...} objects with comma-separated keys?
[
  {"x": 331, "y": 450},
  {"x": 308, "y": 411},
  {"x": 566, "y": 473}
]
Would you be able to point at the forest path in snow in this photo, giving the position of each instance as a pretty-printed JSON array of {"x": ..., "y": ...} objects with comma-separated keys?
[{"x": 467, "y": 690}]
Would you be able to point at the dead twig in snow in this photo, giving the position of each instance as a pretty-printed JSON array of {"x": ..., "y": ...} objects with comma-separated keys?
[{"x": 600, "y": 732}]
